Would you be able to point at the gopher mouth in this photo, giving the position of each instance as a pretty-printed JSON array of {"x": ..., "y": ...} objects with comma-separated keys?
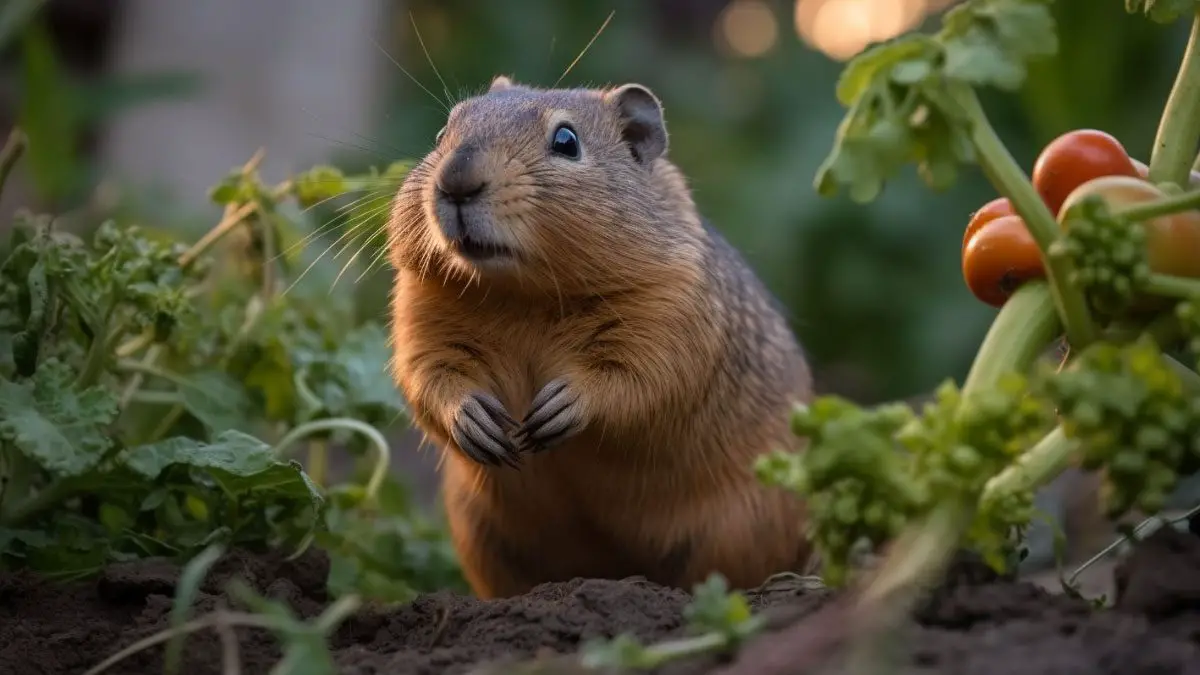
[
  {"x": 476, "y": 250},
  {"x": 469, "y": 232}
]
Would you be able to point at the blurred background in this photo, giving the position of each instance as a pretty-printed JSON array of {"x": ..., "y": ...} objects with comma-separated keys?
[{"x": 142, "y": 105}]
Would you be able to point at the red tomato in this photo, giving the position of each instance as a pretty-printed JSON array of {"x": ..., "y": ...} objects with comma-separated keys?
[
  {"x": 998, "y": 257},
  {"x": 1075, "y": 158}
]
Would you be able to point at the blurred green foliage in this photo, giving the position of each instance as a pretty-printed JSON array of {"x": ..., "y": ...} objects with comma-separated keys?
[{"x": 875, "y": 291}]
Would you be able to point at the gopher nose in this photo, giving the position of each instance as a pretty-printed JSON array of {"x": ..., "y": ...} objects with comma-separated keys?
[{"x": 461, "y": 175}]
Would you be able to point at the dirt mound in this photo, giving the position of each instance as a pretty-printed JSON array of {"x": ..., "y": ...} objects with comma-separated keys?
[{"x": 975, "y": 624}]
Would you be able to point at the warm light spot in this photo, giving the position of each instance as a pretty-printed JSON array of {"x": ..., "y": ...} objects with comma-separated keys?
[
  {"x": 843, "y": 28},
  {"x": 748, "y": 27}
]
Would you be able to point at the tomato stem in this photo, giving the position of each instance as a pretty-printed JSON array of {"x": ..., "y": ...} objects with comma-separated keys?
[
  {"x": 1038, "y": 466},
  {"x": 1179, "y": 129},
  {"x": 1171, "y": 286},
  {"x": 1026, "y": 324},
  {"x": 1165, "y": 206},
  {"x": 1012, "y": 182}
]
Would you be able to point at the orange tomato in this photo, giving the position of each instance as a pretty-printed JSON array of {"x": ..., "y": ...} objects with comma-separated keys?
[
  {"x": 990, "y": 211},
  {"x": 998, "y": 257},
  {"x": 1074, "y": 158},
  {"x": 1172, "y": 242}
]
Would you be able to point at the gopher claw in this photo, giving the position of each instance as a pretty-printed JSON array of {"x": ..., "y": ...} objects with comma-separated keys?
[
  {"x": 481, "y": 430},
  {"x": 555, "y": 415}
]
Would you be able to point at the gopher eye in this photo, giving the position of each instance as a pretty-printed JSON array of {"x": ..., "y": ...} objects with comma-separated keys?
[{"x": 565, "y": 142}]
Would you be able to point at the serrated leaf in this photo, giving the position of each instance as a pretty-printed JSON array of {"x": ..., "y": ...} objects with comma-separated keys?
[
  {"x": 238, "y": 461},
  {"x": 55, "y": 425},
  {"x": 865, "y": 68},
  {"x": 989, "y": 42}
]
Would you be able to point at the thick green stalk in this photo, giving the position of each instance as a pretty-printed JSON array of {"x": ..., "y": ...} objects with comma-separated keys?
[
  {"x": 1022, "y": 330},
  {"x": 1179, "y": 129},
  {"x": 1035, "y": 468},
  {"x": 1012, "y": 182}
]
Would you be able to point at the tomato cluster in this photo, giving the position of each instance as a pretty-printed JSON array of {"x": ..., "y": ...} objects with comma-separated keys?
[{"x": 999, "y": 253}]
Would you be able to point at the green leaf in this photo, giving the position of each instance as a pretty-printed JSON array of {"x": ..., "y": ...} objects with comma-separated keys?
[
  {"x": 53, "y": 424},
  {"x": 908, "y": 53},
  {"x": 903, "y": 95},
  {"x": 988, "y": 42},
  {"x": 355, "y": 380},
  {"x": 217, "y": 400},
  {"x": 318, "y": 184},
  {"x": 238, "y": 461}
]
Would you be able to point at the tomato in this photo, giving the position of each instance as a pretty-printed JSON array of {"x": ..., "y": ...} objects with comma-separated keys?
[
  {"x": 999, "y": 257},
  {"x": 1075, "y": 158},
  {"x": 990, "y": 211},
  {"x": 1172, "y": 242}
]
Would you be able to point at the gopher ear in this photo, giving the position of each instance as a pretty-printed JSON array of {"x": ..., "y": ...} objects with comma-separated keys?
[
  {"x": 499, "y": 83},
  {"x": 642, "y": 122}
]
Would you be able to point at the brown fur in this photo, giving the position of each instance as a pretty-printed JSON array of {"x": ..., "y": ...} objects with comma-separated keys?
[{"x": 682, "y": 367}]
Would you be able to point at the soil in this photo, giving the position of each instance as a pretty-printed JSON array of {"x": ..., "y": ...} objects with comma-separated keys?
[{"x": 974, "y": 623}]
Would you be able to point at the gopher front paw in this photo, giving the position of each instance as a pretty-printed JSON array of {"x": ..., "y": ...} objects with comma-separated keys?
[
  {"x": 555, "y": 415},
  {"x": 481, "y": 429}
]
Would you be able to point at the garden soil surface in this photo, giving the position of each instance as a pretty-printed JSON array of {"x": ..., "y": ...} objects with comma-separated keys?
[{"x": 974, "y": 623}]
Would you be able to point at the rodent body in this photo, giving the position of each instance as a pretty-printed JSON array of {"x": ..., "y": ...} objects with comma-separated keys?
[{"x": 599, "y": 365}]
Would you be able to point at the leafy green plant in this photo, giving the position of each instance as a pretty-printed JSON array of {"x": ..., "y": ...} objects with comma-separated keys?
[
  {"x": 719, "y": 620},
  {"x": 151, "y": 391}
]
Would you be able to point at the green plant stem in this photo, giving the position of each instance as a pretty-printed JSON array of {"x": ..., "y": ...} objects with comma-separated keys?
[
  {"x": 1170, "y": 286},
  {"x": 1177, "y": 203},
  {"x": 10, "y": 154},
  {"x": 1011, "y": 181},
  {"x": 47, "y": 498},
  {"x": 382, "y": 454},
  {"x": 131, "y": 366},
  {"x": 97, "y": 353},
  {"x": 131, "y": 389},
  {"x": 1025, "y": 325},
  {"x": 210, "y": 238},
  {"x": 1179, "y": 129},
  {"x": 154, "y": 397},
  {"x": 1036, "y": 467},
  {"x": 318, "y": 462},
  {"x": 1189, "y": 377},
  {"x": 664, "y": 652},
  {"x": 918, "y": 557}
]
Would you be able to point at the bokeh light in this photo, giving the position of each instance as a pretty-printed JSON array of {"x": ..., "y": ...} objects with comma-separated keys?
[
  {"x": 843, "y": 28},
  {"x": 747, "y": 28}
]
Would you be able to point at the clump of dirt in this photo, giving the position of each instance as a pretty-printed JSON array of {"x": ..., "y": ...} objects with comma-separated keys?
[{"x": 975, "y": 623}]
